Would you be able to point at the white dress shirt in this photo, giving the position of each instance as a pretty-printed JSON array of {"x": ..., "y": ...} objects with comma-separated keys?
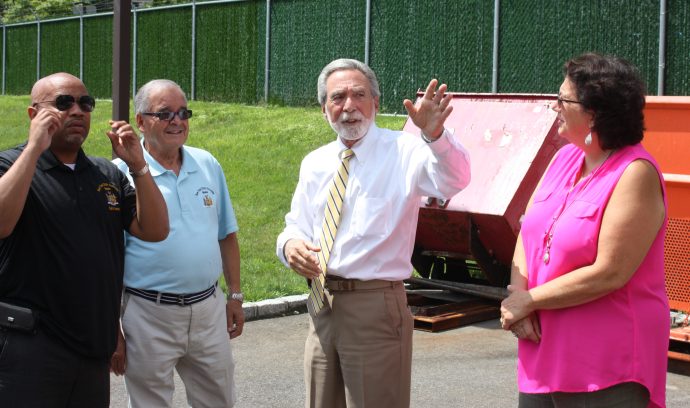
[{"x": 390, "y": 172}]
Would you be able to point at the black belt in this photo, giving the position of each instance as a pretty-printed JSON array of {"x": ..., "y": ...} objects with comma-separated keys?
[{"x": 171, "y": 298}]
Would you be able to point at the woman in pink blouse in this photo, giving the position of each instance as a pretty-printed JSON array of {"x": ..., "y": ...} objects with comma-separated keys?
[{"x": 587, "y": 297}]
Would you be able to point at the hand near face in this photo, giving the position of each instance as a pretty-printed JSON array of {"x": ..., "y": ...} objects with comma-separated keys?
[
  {"x": 301, "y": 258},
  {"x": 43, "y": 126},
  {"x": 126, "y": 144},
  {"x": 431, "y": 111}
]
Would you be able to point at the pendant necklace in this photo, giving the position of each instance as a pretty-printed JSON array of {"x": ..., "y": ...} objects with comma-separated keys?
[{"x": 548, "y": 234}]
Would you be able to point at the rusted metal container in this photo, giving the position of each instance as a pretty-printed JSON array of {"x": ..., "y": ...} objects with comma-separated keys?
[
  {"x": 511, "y": 139},
  {"x": 470, "y": 237}
]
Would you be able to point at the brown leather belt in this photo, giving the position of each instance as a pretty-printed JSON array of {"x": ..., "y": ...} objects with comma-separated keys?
[{"x": 338, "y": 284}]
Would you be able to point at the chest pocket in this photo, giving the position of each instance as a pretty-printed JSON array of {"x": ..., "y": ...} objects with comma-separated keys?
[
  {"x": 541, "y": 195},
  {"x": 583, "y": 209},
  {"x": 371, "y": 217}
]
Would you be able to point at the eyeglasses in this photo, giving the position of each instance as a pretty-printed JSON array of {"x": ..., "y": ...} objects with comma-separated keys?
[
  {"x": 561, "y": 100},
  {"x": 65, "y": 102},
  {"x": 183, "y": 114}
]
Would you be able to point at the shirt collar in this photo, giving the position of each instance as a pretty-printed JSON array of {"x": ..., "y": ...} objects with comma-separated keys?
[
  {"x": 47, "y": 160},
  {"x": 189, "y": 165}
]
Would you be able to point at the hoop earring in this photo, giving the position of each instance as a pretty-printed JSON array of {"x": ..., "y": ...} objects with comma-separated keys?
[{"x": 588, "y": 139}]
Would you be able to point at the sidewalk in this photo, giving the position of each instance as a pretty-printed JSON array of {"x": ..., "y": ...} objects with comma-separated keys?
[{"x": 472, "y": 366}]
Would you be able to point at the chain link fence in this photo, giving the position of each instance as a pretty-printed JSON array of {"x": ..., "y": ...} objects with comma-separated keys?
[{"x": 236, "y": 51}]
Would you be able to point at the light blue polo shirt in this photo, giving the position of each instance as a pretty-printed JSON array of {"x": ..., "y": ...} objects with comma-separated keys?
[{"x": 200, "y": 213}]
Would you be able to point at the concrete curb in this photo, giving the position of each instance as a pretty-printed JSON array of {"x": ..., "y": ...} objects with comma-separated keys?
[{"x": 284, "y": 306}]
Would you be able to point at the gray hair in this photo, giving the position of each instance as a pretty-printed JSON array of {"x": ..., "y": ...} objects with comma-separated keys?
[
  {"x": 141, "y": 99},
  {"x": 342, "y": 65}
]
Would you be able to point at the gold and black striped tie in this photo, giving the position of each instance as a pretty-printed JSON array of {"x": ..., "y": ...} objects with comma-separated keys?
[{"x": 331, "y": 219}]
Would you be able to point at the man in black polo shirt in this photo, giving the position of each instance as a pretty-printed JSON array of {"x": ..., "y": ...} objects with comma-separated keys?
[{"x": 62, "y": 218}]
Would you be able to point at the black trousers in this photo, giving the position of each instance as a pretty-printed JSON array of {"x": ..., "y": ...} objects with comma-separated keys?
[
  {"x": 37, "y": 371},
  {"x": 623, "y": 395}
]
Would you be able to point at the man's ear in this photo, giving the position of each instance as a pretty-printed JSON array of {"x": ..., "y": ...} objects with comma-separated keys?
[
  {"x": 32, "y": 111},
  {"x": 140, "y": 122},
  {"x": 376, "y": 103}
]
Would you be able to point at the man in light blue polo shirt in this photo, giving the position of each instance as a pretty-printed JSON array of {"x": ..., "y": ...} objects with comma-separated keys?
[{"x": 174, "y": 316}]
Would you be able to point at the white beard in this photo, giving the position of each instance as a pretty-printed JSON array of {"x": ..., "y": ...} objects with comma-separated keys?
[{"x": 351, "y": 131}]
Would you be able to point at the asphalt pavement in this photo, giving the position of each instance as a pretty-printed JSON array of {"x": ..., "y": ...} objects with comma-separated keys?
[{"x": 472, "y": 366}]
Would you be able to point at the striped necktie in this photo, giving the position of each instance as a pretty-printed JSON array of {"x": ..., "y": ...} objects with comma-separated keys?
[{"x": 331, "y": 219}]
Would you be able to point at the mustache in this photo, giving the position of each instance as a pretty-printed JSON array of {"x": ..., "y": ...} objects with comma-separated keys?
[
  {"x": 80, "y": 122},
  {"x": 345, "y": 116}
]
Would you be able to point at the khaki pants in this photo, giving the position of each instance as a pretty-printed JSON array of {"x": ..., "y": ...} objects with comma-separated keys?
[
  {"x": 358, "y": 353},
  {"x": 192, "y": 339}
]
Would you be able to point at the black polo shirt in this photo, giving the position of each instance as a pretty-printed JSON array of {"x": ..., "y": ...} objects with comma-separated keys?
[{"x": 65, "y": 257}]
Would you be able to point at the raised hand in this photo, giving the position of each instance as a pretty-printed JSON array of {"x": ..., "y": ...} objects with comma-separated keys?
[
  {"x": 43, "y": 126},
  {"x": 431, "y": 111},
  {"x": 126, "y": 144}
]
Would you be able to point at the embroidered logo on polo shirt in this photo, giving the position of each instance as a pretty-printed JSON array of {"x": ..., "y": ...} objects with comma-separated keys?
[
  {"x": 111, "y": 193},
  {"x": 206, "y": 194}
]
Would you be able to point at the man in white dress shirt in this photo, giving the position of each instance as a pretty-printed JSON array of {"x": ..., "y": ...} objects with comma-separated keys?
[{"x": 358, "y": 351}]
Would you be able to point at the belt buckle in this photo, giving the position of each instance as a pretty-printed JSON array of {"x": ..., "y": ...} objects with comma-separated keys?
[
  {"x": 342, "y": 285},
  {"x": 180, "y": 300}
]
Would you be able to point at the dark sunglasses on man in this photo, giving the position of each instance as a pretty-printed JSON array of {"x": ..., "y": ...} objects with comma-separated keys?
[
  {"x": 65, "y": 102},
  {"x": 183, "y": 114}
]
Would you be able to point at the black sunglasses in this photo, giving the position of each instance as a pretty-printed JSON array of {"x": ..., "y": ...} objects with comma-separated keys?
[
  {"x": 561, "y": 100},
  {"x": 65, "y": 102},
  {"x": 183, "y": 114}
]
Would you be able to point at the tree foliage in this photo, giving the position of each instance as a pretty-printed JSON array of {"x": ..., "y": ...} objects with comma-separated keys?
[{"x": 15, "y": 11}]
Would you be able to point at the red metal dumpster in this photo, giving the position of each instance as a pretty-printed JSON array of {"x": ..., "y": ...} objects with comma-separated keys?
[
  {"x": 511, "y": 139},
  {"x": 470, "y": 237}
]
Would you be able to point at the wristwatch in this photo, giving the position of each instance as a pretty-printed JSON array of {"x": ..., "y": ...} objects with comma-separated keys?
[
  {"x": 238, "y": 296},
  {"x": 141, "y": 172}
]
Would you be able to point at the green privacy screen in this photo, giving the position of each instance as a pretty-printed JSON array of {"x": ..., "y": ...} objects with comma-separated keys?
[
  {"x": 414, "y": 41},
  {"x": 60, "y": 47},
  {"x": 20, "y": 59},
  {"x": 410, "y": 42},
  {"x": 678, "y": 48},
  {"x": 98, "y": 55},
  {"x": 227, "y": 52},
  {"x": 164, "y": 46},
  {"x": 537, "y": 36},
  {"x": 305, "y": 36}
]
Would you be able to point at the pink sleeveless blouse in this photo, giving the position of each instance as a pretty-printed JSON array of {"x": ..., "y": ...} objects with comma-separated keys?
[{"x": 620, "y": 337}]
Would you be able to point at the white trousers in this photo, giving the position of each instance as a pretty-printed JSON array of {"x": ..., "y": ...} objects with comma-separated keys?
[{"x": 192, "y": 339}]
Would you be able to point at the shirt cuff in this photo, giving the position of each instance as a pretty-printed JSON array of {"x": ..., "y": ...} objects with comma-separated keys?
[{"x": 442, "y": 144}]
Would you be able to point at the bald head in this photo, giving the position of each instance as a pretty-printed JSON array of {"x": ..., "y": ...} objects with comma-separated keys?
[
  {"x": 46, "y": 87},
  {"x": 72, "y": 121}
]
